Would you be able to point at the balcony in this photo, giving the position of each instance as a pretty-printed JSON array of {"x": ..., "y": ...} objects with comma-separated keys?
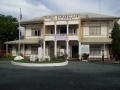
[{"x": 59, "y": 37}]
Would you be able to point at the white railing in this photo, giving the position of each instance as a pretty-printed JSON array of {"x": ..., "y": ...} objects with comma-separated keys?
[{"x": 61, "y": 34}]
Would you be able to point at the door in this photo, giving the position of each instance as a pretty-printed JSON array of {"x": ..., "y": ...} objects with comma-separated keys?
[{"x": 74, "y": 51}]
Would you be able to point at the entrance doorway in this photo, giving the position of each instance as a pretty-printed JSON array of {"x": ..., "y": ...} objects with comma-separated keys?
[{"x": 74, "y": 51}]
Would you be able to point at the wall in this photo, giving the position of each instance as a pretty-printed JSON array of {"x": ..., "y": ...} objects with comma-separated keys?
[
  {"x": 14, "y": 51},
  {"x": 28, "y": 31}
]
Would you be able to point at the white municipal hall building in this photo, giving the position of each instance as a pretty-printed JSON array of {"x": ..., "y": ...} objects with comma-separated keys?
[{"x": 66, "y": 33}]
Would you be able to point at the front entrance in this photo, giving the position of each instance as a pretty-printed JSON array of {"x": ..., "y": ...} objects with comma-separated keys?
[{"x": 74, "y": 51}]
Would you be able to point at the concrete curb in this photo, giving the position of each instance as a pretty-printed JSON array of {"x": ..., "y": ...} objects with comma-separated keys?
[{"x": 40, "y": 65}]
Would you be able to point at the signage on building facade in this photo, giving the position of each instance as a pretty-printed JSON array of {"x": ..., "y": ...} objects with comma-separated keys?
[
  {"x": 85, "y": 49},
  {"x": 60, "y": 37},
  {"x": 62, "y": 17}
]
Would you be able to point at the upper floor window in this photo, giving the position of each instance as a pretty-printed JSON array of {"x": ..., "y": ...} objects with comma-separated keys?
[
  {"x": 52, "y": 31},
  {"x": 36, "y": 32},
  {"x": 63, "y": 30},
  {"x": 95, "y": 30},
  {"x": 73, "y": 29}
]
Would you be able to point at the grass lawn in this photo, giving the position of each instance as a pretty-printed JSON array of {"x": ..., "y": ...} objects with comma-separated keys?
[
  {"x": 28, "y": 61},
  {"x": 6, "y": 59}
]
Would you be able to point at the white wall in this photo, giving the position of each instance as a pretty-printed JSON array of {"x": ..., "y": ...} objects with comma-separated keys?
[
  {"x": 104, "y": 29},
  {"x": 49, "y": 38},
  {"x": 85, "y": 29},
  {"x": 61, "y": 22},
  {"x": 73, "y": 22},
  {"x": 28, "y": 50},
  {"x": 14, "y": 51},
  {"x": 50, "y": 23},
  {"x": 72, "y": 37},
  {"x": 28, "y": 31}
]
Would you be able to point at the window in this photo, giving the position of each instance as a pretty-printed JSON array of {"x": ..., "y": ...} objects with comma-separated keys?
[
  {"x": 34, "y": 50},
  {"x": 63, "y": 30},
  {"x": 95, "y": 30},
  {"x": 52, "y": 31},
  {"x": 36, "y": 32},
  {"x": 95, "y": 50},
  {"x": 73, "y": 29}
]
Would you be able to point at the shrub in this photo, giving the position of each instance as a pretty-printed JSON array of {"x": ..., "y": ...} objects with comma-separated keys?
[
  {"x": 9, "y": 55},
  {"x": 64, "y": 55},
  {"x": 54, "y": 58},
  {"x": 1, "y": 55},
  {"x": 85, "y": 56}
]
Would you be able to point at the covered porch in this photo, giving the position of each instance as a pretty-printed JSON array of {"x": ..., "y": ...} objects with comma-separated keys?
[
  {"x": 58, "y": 48},
  {"x": 28, "y": 47},
  {"x": 96, "y": 46}
]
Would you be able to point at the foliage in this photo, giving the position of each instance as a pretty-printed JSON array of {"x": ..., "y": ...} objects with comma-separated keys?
[
  {"x": 1, "y": 55},
  {"x": 8, "y": 30},
  {"x": 64, "y": 56},
  {"x": 76, "y": 55},
  {"x": 85, "y": 56},
  {"x": 54, "y": 58},
  {"x": 6, "y": 57},
  {"x": 115, "y": 35},
  {"x": 9, "y": 55}
]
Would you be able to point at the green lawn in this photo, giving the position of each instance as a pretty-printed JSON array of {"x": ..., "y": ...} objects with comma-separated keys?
[{"x": 6, "y": 59}]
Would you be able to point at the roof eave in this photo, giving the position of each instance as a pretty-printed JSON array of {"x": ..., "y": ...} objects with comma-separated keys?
[{"x": 100, "y": 18}]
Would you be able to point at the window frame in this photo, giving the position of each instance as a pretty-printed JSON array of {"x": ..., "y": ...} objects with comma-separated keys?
[
  {"x": 94, "y": 30},
  {"x": 36, "y": 32},
  {"x": 95, "y": 50}
]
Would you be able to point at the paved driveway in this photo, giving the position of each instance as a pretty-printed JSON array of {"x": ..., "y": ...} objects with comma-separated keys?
[{"x": 75, "y": 76}]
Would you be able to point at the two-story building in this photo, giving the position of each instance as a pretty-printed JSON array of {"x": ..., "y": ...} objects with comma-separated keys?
[{"x": 66, "y": 33}]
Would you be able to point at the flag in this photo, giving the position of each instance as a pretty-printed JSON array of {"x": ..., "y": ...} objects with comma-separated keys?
[{"x": 20, "y": 14}]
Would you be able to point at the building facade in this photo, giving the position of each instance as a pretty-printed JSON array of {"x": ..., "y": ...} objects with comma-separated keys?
[{"x": 65, "y": 33}]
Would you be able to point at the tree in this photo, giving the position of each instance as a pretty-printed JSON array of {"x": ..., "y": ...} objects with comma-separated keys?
[
  {"x": 115, "y": 35},
  {"x": 8, "y": 30}
]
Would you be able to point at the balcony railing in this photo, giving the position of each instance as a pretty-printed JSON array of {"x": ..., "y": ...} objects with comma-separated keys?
[{"x": 70, "y": 34}]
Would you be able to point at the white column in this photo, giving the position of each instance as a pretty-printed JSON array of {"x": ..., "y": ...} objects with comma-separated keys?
[
  {"x": 44, "y": 49},
  {"x": 79, "y": 49},
  {"x": 6, "y": 48},
  {"x": 55, "y": 48},
  {"x": 55, "y": 29},
  {"x": 23, "y": 49},
  {"x": 67, "y": 29},
  {"x": 67, "y": 48}
]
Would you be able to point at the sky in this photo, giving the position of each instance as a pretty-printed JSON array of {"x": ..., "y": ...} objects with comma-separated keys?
[{"x": 36, "y": 8}]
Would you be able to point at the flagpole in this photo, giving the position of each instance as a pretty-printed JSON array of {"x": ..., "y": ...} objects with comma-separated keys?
[{"x": 19, "y": 34}]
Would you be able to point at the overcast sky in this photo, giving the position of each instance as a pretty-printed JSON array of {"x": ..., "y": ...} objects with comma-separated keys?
[{"x": 35, "y": 8}]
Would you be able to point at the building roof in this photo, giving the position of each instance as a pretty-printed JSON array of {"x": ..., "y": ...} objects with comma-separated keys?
[
  {"x": 23, "y": 41},
  {"x": 83, "y": 16},
  {"x": 96, "y": 40}
]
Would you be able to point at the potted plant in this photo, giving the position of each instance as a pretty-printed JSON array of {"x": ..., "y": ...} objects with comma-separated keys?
[{"x": 85, "y": 56}]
